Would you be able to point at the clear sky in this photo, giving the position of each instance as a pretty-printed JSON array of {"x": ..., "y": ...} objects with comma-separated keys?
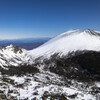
[{"x": 46, "y": 18}]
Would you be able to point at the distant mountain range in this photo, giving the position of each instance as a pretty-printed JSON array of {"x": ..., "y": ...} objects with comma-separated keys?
[{"x": 26, "y": 43}]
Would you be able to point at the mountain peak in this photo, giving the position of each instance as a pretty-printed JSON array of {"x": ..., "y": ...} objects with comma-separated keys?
[
  {"x": 92, "y": 32},
  {"x": 78, "y": 31},
  {"x": 88, "y": 30},
  {"x": 70, "y": 41},
  {"x": 13, "y": 48}
]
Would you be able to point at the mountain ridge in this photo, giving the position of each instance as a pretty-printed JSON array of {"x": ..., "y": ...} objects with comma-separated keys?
[
  {"x": 69, "y": 41},
  {"x": 63, "y": 44}
]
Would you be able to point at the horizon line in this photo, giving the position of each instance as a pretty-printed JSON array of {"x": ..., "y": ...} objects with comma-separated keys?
[{"x": 24, "y": 38}]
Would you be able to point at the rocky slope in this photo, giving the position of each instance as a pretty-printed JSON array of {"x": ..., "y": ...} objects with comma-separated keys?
[{"x": 12, "y": 56}]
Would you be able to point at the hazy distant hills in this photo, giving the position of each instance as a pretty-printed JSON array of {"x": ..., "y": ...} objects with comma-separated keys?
[{"x": 26, "y": 43}]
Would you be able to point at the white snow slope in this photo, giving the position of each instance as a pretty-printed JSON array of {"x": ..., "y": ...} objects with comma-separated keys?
[
  {"x": 12, "y": 56},
  {"x": 69, "y": 41}
]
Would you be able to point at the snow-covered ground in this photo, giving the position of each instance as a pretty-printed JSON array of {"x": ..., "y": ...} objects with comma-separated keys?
[
  {"x": 13, "y": 56},
  {"x": 44, "y": 82},
  {"x": 27, "y": 87}
]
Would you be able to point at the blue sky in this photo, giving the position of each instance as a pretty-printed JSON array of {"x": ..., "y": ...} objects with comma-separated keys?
[{"x": 46, "y": 18}]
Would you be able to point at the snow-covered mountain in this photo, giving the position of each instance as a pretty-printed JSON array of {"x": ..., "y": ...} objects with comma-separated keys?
[
  {"x": 12, "y": 55},
  {"x": 72, "y": 40},
  {"x": 66, "y": 67}
]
